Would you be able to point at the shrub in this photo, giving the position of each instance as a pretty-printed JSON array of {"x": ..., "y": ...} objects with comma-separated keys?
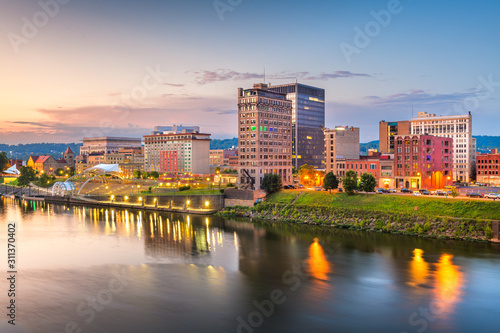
[
  {"x": 488, "y": 233},
  {"x": 427, "y": 226},
  {"x": 184, "y": 188}
]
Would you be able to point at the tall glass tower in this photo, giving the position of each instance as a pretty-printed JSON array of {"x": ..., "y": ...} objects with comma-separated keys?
[{"x": 308, "y": 122}]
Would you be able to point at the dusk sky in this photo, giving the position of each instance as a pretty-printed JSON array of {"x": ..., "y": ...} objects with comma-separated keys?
[{"x": 118, "y": 68}]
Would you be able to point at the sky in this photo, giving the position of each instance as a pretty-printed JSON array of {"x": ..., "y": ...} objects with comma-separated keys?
[{"x": 80, "y": 68}]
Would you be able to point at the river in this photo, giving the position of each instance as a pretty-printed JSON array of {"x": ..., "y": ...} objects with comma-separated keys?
[{"x": 82, "y": 269}]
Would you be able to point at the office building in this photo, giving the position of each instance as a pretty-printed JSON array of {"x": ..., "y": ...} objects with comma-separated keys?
[
  {"x": 108, "y": 145},
  {"x": 341, "y": 143},
  {"x": 177, "y": 153},
  {"x": 387, "y": 131},
  {"x": 308, "y": 122},
  {"x": 174, "y": 129},
  {"x": 265, "y": 136},
  {"x": 488, "y": 166},
  {"x": 459, "y": 128},
  {"x": 423, "y": 161}
]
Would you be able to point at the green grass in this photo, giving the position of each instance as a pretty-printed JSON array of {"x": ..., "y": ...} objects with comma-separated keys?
[
  {"x": 395, "y": 203},
  {"x": 282, "y": 197}
]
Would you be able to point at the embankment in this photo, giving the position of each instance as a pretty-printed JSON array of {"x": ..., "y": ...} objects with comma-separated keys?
[{"x": 424, "y": 217}]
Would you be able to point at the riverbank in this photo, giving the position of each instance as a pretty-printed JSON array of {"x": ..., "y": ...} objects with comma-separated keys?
[{"x": 419, "y": 216}]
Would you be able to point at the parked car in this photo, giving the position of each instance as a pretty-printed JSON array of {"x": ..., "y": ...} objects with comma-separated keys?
[
  {"x": 417, "y": 193},
  {"x": 391, "y": 190},
  {"x": 424, "y": 192},
  {"x": 405, "y": 190},
  {"x": 288, "y": 187},
  {"x": 379, "y": 191},
  {"x": 475, "y": 195},
  {"x": 440, "y": 193},
  {"x": 340, "y": 190},
  {"x": 300, "y": 186},
  {"x": 318, "y": 188},
  {"x": 493, "y": 196}
]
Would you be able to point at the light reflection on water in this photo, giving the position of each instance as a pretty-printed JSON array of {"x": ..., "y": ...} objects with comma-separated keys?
[{"x": 201, "y": 273}]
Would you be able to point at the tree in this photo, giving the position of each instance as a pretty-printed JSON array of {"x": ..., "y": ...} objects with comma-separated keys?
[
  {"x": 44, "y": 180},
  {"x": 454, "y": 193},
  {"x": 27, "y": 176},
  {"x": 350, "y": 182},
  {"x": 137, "y": 174},
  {"x": 368, "y": 182},
  {"x": 271, "y": 183},
  {"x": 145, "y": 175},
  {"x": 307, "y": 174},
  {"x": 59, "y": 171},
  {"x": 330, "y": 182},
  {"x": 4, "y": 161},
  {"x": 154, "y": 174}
]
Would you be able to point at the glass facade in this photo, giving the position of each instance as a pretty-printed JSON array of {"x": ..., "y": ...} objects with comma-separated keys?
[{"x": 308, "y": 122}]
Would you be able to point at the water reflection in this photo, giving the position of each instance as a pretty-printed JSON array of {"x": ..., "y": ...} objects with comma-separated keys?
[
  {"x": 319, "y": 267},
  {"x": 213, "y": 270},
  {"x": 449, "y": 282},
  {"x": 419, "y": 269}
]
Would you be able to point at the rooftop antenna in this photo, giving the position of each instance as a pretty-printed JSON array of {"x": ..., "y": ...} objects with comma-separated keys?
[{"x": 264, "y": 75}]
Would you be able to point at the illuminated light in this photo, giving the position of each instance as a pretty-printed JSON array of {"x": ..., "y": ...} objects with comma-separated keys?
[
  {"x": 419, "y": 269},
  {"x": 207, "y": 203},
  {"x": 188, "y": 202},
  {"x": 126, "y": 198},
  {"x": 309, "y": 137},
  {"x": 449, "y": 281},
  {"x": 140, "y": 199},
  {"x": 318, "y": 265}
]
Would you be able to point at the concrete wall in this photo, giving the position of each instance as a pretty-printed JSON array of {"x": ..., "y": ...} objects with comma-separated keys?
[{"x": 195, "y": 201}]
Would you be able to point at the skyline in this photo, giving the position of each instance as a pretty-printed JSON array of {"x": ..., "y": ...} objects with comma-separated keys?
[{"x": 70, "y": 77}]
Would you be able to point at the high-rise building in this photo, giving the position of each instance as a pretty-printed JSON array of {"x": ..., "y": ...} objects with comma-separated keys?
[
  {"x": 308, "y": 122},
  {"x": 341, "y": 144},
  {"x": 423, "y": 161},
  {"x": 459, "y": 128},
  {"x": 387, "y": 131},
  {"x": 265, "y": 136},
  {"x": 177, "y": 153}
]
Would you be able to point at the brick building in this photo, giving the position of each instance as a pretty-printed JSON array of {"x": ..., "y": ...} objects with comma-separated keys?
[
  {"x": 488, "y": 167},
  {"x": 265, "y": 136},
  {"x": 423, "y": 161}
]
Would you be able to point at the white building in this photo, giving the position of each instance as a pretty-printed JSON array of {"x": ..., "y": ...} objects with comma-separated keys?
[
  {"x": 177, "y": 153},
  {"x": 458, "y": 127}
]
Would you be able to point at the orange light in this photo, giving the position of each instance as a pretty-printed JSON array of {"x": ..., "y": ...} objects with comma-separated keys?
[{"x": 318, "y": 264}]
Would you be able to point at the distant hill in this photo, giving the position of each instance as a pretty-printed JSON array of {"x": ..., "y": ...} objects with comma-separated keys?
[
  {"x": 484, "y": 144},
  {"x": 224, "y": 143},
  {"x": 24, "y": 151},
  {"x": 363, "y": 147}
]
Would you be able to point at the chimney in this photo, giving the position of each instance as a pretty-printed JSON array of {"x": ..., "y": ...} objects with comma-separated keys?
[{"x": 240, "y": 92}]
